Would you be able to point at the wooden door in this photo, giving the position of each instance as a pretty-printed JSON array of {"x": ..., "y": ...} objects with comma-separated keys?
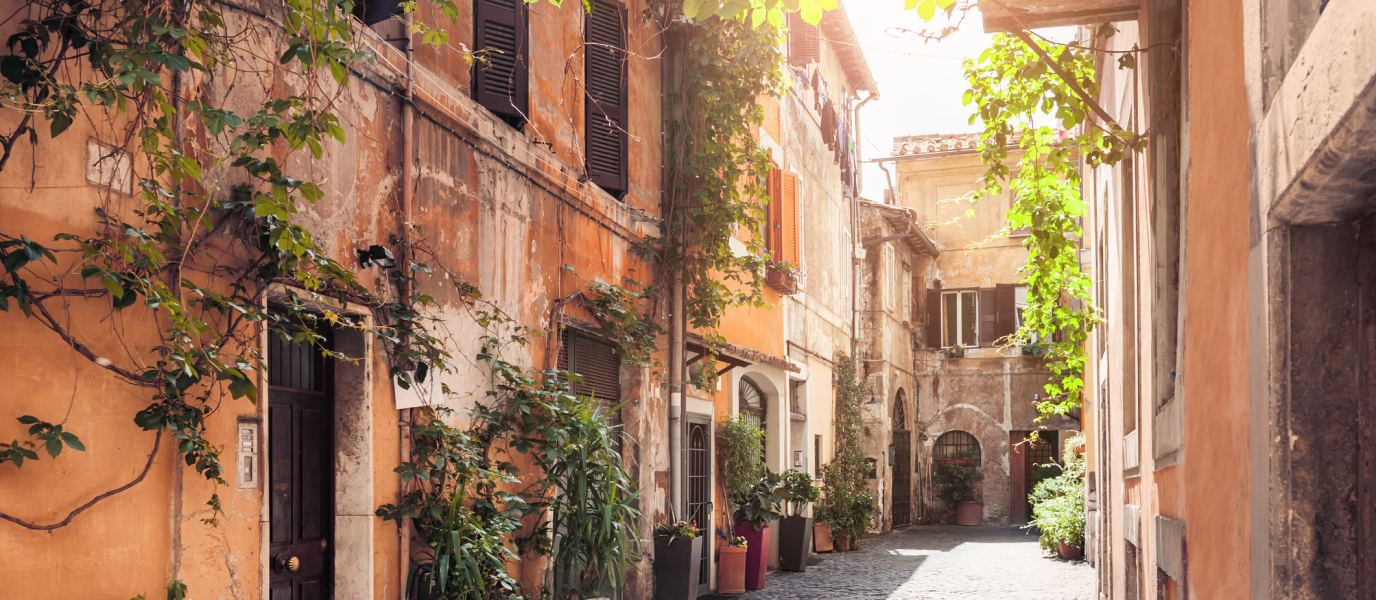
[{"x": 300, "y": 473}]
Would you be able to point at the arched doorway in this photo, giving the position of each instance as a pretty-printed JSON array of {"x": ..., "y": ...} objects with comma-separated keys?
[{"x": 902, "y": 467}]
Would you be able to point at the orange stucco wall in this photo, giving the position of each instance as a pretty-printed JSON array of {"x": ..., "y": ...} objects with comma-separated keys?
[
  {"x": 498, "y": 210},
  {"x": 1217, "y": 484}
]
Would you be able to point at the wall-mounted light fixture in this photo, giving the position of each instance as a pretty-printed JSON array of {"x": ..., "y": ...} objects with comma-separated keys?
[
  {"x": 376, "y": 255},
  {"x": 873, "y": 400}
]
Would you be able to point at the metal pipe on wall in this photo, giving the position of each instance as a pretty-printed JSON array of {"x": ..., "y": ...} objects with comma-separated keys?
[
  {"x": 855, "y": 240},
  {"x": 676, "y": 388},
  {"x": 408, "y": 120}
]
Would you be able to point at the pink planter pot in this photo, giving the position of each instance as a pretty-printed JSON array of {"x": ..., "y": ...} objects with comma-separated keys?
[
  {"x": 969, "y": 513},
  {"x": 756, "y": 554}
]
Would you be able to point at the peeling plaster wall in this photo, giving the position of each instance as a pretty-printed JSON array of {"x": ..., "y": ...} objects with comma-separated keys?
[{"x": 497, "y": 209}]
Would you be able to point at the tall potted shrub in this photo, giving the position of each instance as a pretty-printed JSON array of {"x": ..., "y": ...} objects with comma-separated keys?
[
  {"x": 956, "y": 481},
  {"x": 678, "y": 556},
  {"x": 752, "y": 491},
  {"x": 1058, "y": 505},
  {"x": 795, "y": 530},
  {"x": 847, "y": 506}
]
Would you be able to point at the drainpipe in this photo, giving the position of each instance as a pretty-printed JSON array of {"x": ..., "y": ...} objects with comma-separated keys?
[
  {"x": 408, "y": 118},
  {"x": 676, "y": 389},
  {"x": 855, "y": 237}
]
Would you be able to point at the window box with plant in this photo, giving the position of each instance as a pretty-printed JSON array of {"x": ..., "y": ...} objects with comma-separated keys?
[
  {"x": 678, "y": 556},
  {"x": 752, "y": 491},
  {"x": 795, "y": 530}
]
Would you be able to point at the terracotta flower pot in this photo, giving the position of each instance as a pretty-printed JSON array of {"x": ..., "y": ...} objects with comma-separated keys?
[
  {"x": 842, "y": 541},
  {"x": 731, "y": 571},
  {"x": 1069, "y": 552},
  {"x": 795, "y": 540},
  {"x": 969, "y": 513},
  {"x": 821, "y": 537},
  {"x": 756, "y": 555}
]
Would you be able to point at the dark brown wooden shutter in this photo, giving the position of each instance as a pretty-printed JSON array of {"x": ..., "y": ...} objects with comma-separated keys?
[
  {"x": 988, "y": 315},
  {"x": 1007, "y": 323},
  {"x": 934, "y": 318},
  {"x": 803, "y": 41},
  {"x": 604, "y": 63},
  {"x": 596, "y": 362},
  {"x": 501, "y": 81}
]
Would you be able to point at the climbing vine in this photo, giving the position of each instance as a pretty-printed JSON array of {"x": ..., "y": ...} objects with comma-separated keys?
[
  {"x": 847, "y": 504},
  {"x": 1039, "y": 95}
]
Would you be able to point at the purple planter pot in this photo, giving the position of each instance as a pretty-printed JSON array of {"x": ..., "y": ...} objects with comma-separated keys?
[{"x": 756, "y": 554}]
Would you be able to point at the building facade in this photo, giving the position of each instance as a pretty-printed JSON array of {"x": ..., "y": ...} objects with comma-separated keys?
[
  {"x": 974, "y": 393},
  {"x": 507, "y": 171},
  {"x": 1230, "y": 448}
]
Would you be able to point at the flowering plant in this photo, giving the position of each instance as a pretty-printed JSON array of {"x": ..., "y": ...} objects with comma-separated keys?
[
  {"x": 732, "y": 540},
  {"x": 679, "y": 530}
]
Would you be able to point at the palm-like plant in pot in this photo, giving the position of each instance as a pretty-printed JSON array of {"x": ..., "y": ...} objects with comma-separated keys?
[
  {"x": 751, "y": 488},
  {"x": 795, "y": 530}
]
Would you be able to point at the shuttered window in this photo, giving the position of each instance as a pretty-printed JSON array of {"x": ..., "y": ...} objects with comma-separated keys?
[
  {"x": 1008, "y": 318},
  {"x": 988, "y": 315},
  {"x": 919, "y": 295},
  {"x": 596, "y": 362},
  {"x": 960, "y": 318},
  {"x": 803, "y": 41},
  {"x": 933, "y": 322},
  {"x": 501, "y": 79},
  {"x": 782, "y": 216},
  {"x": 604, "y": 64}
]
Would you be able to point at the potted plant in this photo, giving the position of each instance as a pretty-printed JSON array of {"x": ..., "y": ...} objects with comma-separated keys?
[
  {"x": 956, "y": 351},
  {"x": 795, "y": 530},
  {"x": 1058, "y": 505},
  {"x": 821, "y": 537},
  {"x": 956, "y": 481},
  {"x": 755, "y": 510},
  {"x": 847, "y": 506},
  {"x": 678, "y": 556},
  {"x": 731, "y": 565},
  {"x": 751, "y": 490}
]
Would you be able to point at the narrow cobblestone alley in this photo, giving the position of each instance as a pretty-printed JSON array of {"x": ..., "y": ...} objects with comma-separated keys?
[{"x": 937, "y": 563}]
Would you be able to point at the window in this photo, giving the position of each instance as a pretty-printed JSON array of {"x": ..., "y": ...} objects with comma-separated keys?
[
  {"x": 781, "y": 227},
  {"x": 803, "y": 41},
  {"x": 752, "y": 401},
  {"x": 959, "y": 322},
  {"x": 372, "y": 12},
  {"x": 817, "y": 456},
  {"x": 906, "y": 282},
  {"x": 954, "y": 445},
  {"x": 604, "y": 63},
  {"x": 596, "y": 362},
  {"x": 500, "y": 80}
]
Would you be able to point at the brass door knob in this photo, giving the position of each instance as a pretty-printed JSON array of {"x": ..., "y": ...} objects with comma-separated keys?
[{"x": 282, "y": 562}]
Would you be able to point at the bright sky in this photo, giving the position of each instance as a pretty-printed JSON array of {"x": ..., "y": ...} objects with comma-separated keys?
[{"x": 920, "y": 83}]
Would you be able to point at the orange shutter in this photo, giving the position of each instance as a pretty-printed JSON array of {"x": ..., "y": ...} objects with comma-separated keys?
[
  {"x": 773, "y": 217},
  {"x": 788, "y": 213}
]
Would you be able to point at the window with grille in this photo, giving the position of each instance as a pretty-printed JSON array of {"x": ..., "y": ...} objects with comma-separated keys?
[
  {"x": 500, "y": 81},
  {"x": 957, "y": 445},
  {"x": 604, "y": 63},
  {"x": 752, "y": 401}
]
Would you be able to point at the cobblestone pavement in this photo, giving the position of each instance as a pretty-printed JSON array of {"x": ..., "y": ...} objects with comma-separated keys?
[{"x": 937, "y": 563}]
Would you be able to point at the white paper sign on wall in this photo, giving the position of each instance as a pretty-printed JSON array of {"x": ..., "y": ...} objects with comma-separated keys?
[{"x": 427, "y": 393}]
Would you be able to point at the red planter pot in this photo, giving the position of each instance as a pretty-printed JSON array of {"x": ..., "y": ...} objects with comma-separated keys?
[
  {"x": 1069, "y": 552},
  {"x": 969, "y": 513},
  {"x": 731, "y": 571},
  {"x": 842, "y": 542},
  {"x": 756, "y": 554}
]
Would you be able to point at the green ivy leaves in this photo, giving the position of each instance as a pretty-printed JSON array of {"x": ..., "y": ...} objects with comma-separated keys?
[{"x": 43, "y": 434}]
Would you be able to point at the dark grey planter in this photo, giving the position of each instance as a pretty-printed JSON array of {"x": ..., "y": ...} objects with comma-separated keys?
[
  {"x": 795, "y": 540},
  {"x": 676, "y": 568}
]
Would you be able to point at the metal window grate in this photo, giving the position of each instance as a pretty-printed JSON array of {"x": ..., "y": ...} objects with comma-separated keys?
[
  {"x": 699, "y": 505},
  {"x": 957, "y": 444}
]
